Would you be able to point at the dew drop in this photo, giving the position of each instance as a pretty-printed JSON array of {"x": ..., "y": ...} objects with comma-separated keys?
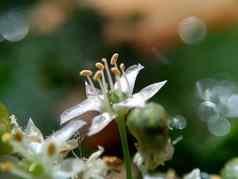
[
  {"x": 208, "y": 111},
  {"x": 192, "y": 30},
  {"x": 13, "y": 26},
  {"x": 177, "y": 122},
  {"x": 220, "y": 127}
]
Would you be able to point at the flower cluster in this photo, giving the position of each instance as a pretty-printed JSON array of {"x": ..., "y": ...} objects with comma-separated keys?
[
  {"x": 44, "y": 158},
  {"x": 219, "y": 102},
  {"x": 110, "y": 93}
]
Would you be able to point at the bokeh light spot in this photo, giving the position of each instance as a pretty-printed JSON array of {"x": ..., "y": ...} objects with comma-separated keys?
[
  {"x": 13, "y": 26},
  {"x": 192, "y": 30},
  {"x": 177, "y": 122},
  {"x": 219, "y": 127}
]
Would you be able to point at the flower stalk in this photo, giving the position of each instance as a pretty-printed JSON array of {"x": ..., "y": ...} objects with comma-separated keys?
[{"x": 124, "y": 143}]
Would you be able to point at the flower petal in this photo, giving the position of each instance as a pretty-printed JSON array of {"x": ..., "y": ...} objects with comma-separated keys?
[
  {"x": 90, "y": 91},
  {"x": 139, "y": 99},
  {"x": 33, "y": 132},
  {"x": 90, "y": 104},
  {"x": 195, "y": 174},
  {"x": 131, "y": 74},
  {"x": 99, "y": 123},
  {"x": 68, "y": 130}
]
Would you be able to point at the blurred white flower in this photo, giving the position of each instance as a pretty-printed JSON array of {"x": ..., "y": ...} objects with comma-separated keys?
[
  {"x": 195, "y": 174},
  {"x": 93, "y": 167},
  {"x": 110, "y": 98},
  {"x": 45, "y": 153},
  {"x": 219, "y": 102}
]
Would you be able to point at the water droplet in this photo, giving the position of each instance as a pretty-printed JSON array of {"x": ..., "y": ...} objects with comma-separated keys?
[
  {"x": 220, "y": 127},
  {"x": 13, "y": 26},
  {"x": 192, "y": 30},
  {"x": 208, "y": 111},
  {"x": 177, "y": 122}
]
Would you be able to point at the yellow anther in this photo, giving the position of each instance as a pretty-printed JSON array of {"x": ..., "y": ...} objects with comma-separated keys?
[
  {"x": 115, "y": 71},
  {"x": 6, "y": 137},
  {"x": 6, "y": 166},
  {"x": 122, "y": 67},
  {"x": 18, "y": 136},
  {"x": 97, "y": 75},
  {"x": 86, "y": 73},
  {"x": 51, "y": 149},
  {"x": 114, "y": 58},
  {"x": 99, "y": 66}
]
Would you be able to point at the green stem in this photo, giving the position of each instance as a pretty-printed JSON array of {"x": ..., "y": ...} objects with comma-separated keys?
[{"x": 124, "y": 143}]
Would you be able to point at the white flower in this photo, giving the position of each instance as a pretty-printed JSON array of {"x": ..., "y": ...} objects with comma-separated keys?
[
  {"x": 109, "y": 99},
  {"x": 33, "y": 140},
  {"x": 48, "y": 152}
]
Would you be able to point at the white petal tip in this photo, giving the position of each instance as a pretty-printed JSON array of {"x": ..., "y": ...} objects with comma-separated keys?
[{"x": 140, "y": 66}]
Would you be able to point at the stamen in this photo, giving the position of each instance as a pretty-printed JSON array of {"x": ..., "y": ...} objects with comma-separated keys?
[
  {"x": 51, "y": 149},
  {"x": 7, "y": 166},
  {"x": 116, "y": 72},
  {"x": 6, "y": 137},
  {"x": 97, "y": 77},
  {"x": 114, "y": 58},
  {"x": 88, "y": 74},
  {"x": 123, "y": 67},
  {"x": 101, "y": 67},
  {"x": 104, "y": 60},
  {"x": 18, "y": 136}
]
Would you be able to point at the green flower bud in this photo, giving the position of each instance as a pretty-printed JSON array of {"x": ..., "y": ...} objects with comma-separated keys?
[
  {"x": 230, "y": 170},
  {"x": 149, "y": 125}
]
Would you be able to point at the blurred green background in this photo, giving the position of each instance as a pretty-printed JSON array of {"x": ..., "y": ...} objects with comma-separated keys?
[{"x": 39, "y": 74}]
